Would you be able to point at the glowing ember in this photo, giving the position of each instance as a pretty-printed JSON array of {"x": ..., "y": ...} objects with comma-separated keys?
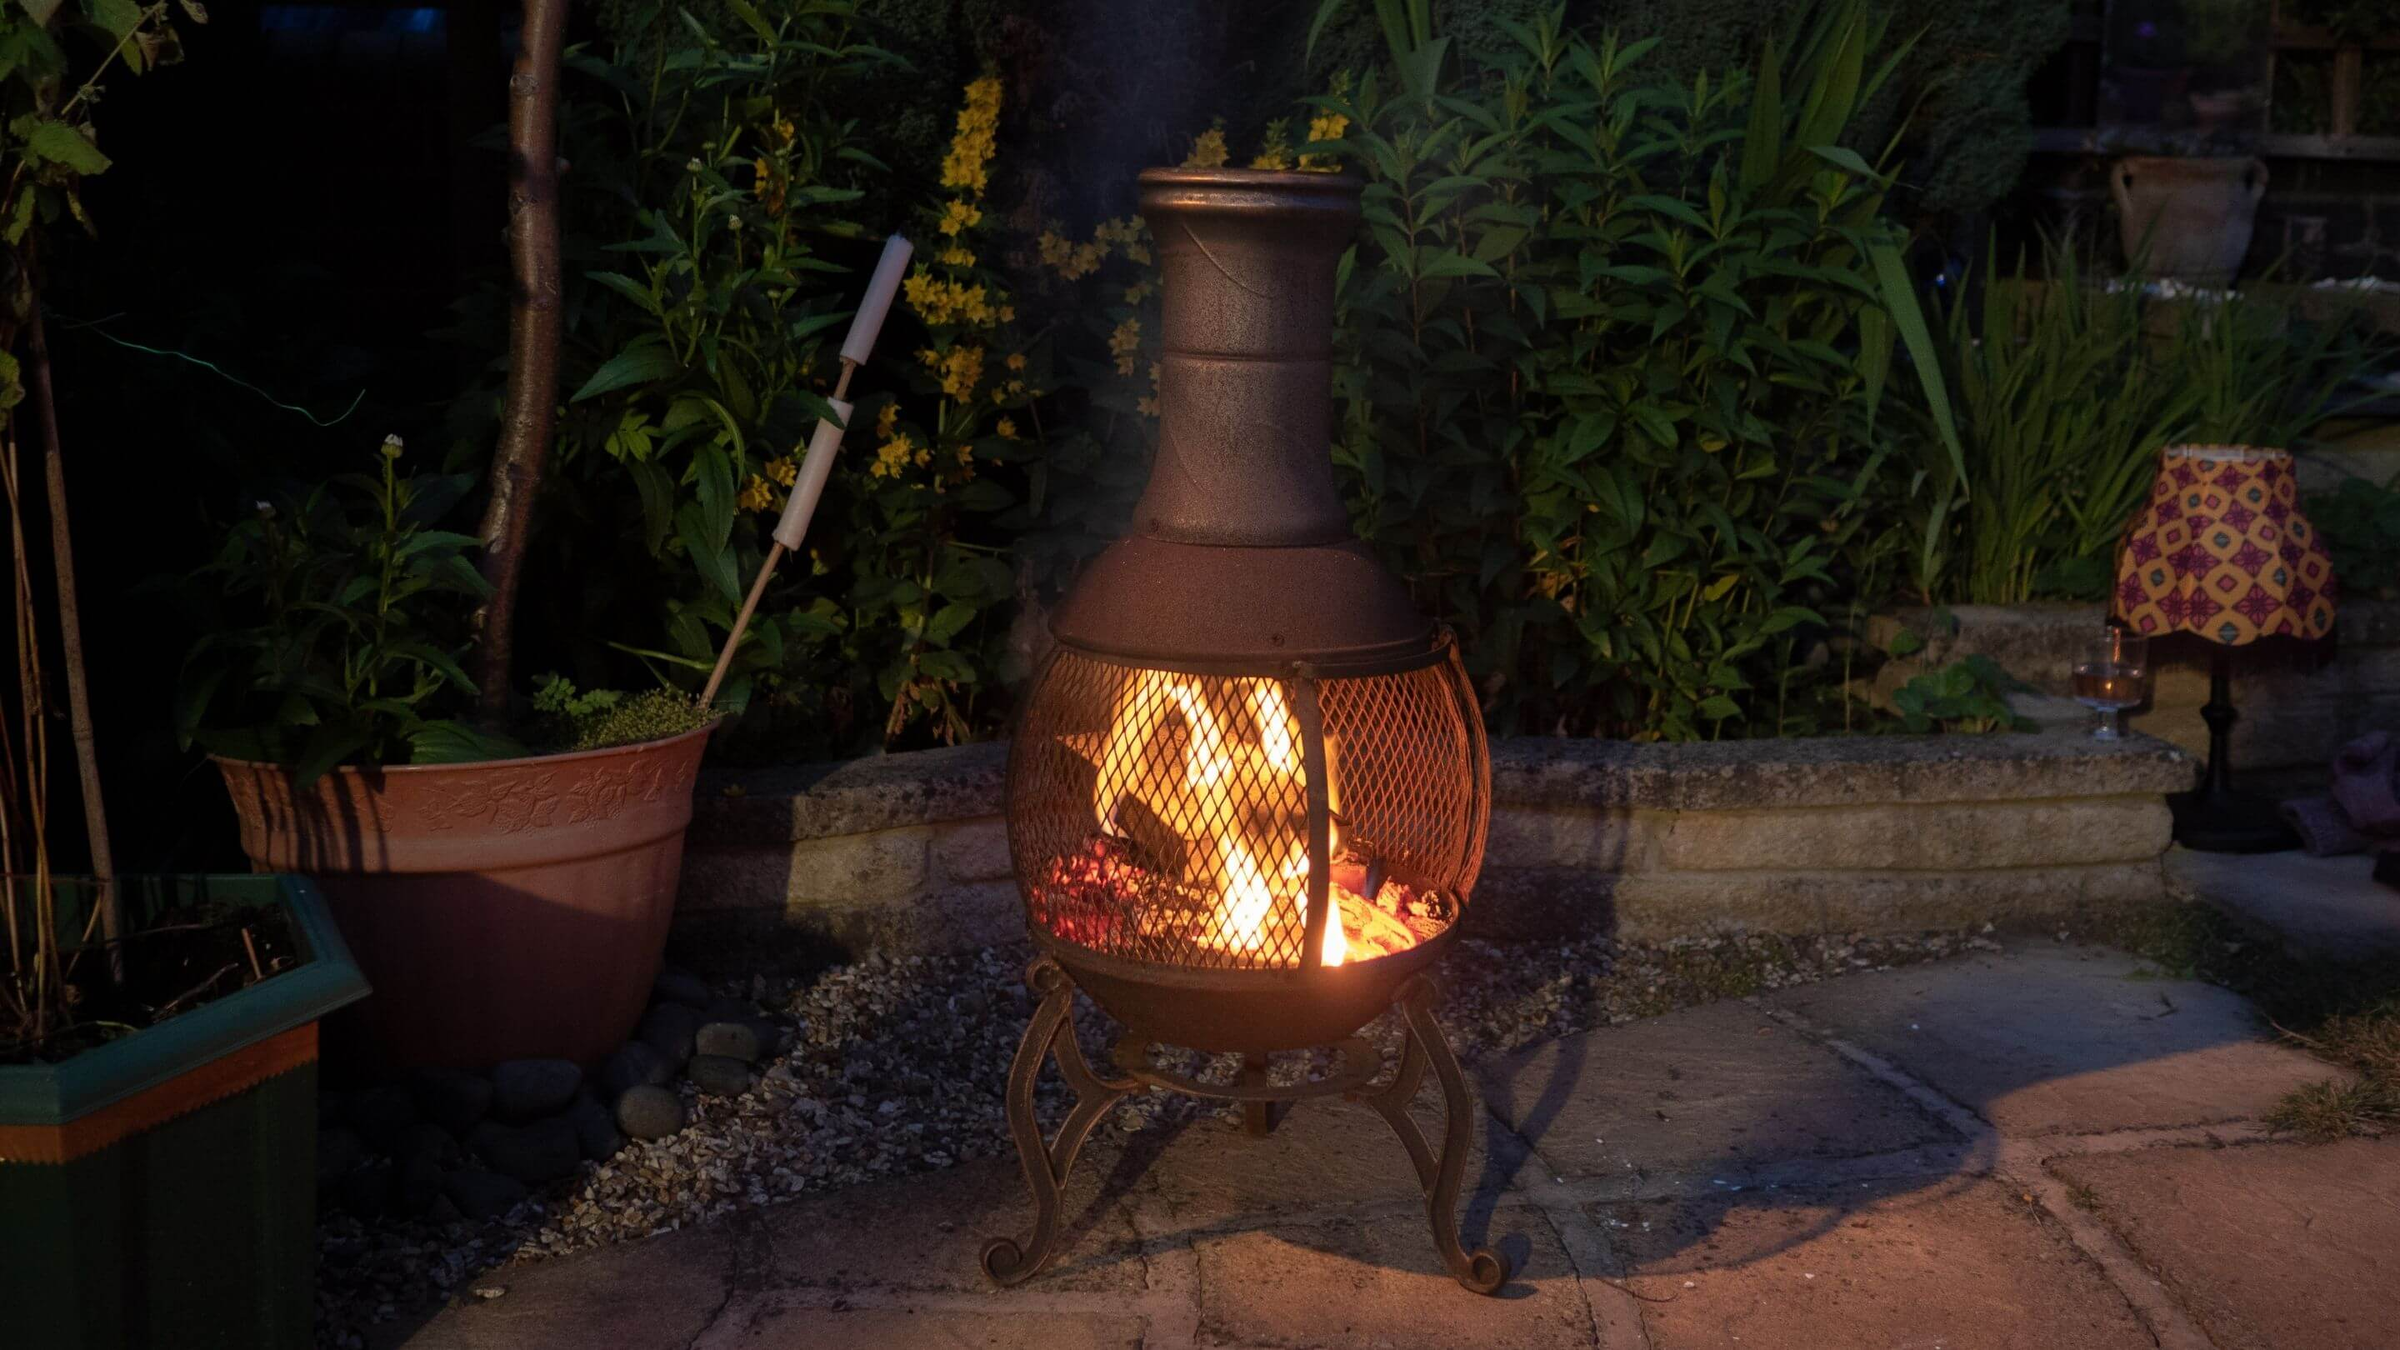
[{"x": 1199, "y": 805}]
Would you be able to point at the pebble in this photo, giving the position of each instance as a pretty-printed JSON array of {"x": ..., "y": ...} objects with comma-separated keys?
[
  {"x": 649, "y": 1112},
  {"x": 719, "y": 1075},
  {"x": 669, "y": 1028},
  {"x": 416, "y": 1184},
  {"x": 527, "y": 1089},
  {"x": 545, "y": 1150},
  {"x": 428, "y": 1140},
  {"x": 632, "y": 1065},
  {"x": 875, "y": 1031},
  {"x": 338, "y": 1150},
  {"x": 382, "y": 1116},
  {"x": 595, "y": 1129},
  {"x": 737, "y": 1040},
  {"x": 451, "y": 1098},
  {"x": 675, "y": 985},
  {"x": 480, "y": 1194}
]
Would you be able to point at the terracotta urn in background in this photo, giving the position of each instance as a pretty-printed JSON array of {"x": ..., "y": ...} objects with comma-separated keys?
[
  {"x": 2187, "y": 219},
  {"x": 501, "y": 910}
]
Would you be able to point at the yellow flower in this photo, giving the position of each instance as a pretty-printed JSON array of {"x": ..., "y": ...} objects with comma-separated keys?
[
  {"x": 1125, "y": 344},
  {"x": 955, "y": 256},
  {"x": 892, "y": 456},
  {"x": 1324, "y": 127},
  {"x": 1208, "y": 149},
  {"x": 784, "y": 130},
  {"x": 971, "y": 146},
  {"x": 1016, "y": 360},
  {"x": 1146, "y": 406},
  {"x": 958, "y": 216},
  {"x": 1008, "y": 314},
  {"x": 1137, "y": 292},
  {"x": 941, "y": 302},
  {"x": 782, "y": 469},
  {"x": 1276, "y": 152},
  {"x": 1007, "y": 428},
  {"x": 960, "y": 370},
  {"x": 755, "y": 495},
  {"x": 887, "y": 419}
]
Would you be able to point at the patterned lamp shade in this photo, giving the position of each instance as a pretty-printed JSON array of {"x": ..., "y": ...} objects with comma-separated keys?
[{"x": 2221, "y": 550}]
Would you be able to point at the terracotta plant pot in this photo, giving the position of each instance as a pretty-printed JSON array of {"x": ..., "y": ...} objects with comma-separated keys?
[
  {"x": 2194, "y": 216},
  {"x": 502, "y": 910}
]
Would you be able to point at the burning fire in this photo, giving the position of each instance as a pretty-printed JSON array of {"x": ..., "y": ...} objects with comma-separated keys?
[{"x": 1209, "y": 791}]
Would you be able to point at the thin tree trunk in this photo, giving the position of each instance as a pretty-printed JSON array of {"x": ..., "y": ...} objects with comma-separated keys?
[
  {"x": 534, "y": 322},
  {"x": 70, "y": 641}
]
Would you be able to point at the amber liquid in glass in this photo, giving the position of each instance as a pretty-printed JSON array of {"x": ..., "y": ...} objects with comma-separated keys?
[{"x": 2107, "y": 685}]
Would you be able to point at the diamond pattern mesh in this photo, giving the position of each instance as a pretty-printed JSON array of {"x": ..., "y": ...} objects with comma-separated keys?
[{"x": 1164, "y": 817}]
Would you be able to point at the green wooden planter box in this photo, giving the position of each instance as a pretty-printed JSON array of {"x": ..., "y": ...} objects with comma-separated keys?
[{"x": 161, "y": 1190}]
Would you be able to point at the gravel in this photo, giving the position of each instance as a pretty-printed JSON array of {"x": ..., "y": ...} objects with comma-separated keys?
[{"x": 897, "y": 1066}]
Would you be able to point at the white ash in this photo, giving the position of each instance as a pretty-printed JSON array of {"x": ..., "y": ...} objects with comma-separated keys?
[{"x": 899, "y": 1064}]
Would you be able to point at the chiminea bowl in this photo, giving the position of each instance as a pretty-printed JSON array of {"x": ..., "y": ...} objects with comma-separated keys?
[{"x": 1248, "y": 793}]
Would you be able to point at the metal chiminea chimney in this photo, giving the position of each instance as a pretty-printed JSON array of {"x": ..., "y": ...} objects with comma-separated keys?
[{"x": 1248, "y": 795}]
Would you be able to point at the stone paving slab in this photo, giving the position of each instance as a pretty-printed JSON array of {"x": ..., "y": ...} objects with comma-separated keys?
[
  {"x": 658, "y": 1292},
  {"x": 779, "y": 1325},
  {"x": 2064, "y": 1038},
  {"x": 1378, "y": 1283},
  {"x": 2271, "y": 1246},
  {"x": 2325, "y": 909},
  {"x": 1956, "y": 1265},
  {"x": 1323, "y": 1155},
  {"x": 1716, "y": 1087},
  {"x": 925, "y": 1233}
]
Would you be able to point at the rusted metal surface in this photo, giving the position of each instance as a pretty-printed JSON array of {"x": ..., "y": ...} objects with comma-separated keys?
[
  {"x": 1052, "y": 1033},
  {"x": 1008, "y": 1261},
  {"x": 1241, "y": 547},
  {"x": 1249, "y": 790},
  {"x": 1139, "y": 800}
]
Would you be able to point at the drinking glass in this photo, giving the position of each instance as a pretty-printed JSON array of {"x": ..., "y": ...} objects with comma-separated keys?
[{"x": 2111, "y": 674}]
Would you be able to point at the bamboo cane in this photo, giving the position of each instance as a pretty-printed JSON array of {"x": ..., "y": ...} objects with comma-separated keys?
[
  {"x": 823, "y": 446},
  {"x": 70, "y": 641}
]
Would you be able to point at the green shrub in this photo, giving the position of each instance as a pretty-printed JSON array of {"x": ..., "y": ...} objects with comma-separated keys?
[
  {"x": 332, "y": 624},
  {"x": 2360, "y": 522},
  {"x": 2062, "y": 406},
  {"x": 1613, "y": 354}
]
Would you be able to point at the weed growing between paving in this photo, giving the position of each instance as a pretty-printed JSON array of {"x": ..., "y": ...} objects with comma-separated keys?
[{"x": 2348, "y": 1014}]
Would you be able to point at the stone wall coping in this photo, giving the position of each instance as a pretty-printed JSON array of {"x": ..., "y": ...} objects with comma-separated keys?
[
  {"x": 1830, "y": 771},
  {"x": 788, "y": 803}
]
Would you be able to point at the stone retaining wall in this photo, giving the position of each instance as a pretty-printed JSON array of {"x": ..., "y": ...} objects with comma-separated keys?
[
  {"x": 2297, "y": 706},
  {"x": 1876, "y": 834}
]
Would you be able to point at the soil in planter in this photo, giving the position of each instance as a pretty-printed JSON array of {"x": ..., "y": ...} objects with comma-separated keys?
[{"x": 202, "y": 953}]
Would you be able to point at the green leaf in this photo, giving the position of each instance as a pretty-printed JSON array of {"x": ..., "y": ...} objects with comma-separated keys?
[
  {"x": 1717, "y": 707},
  {"x": 638, "y": 364},
  {"x": 56, "y": 142},
  {"x": 1900, "y": 299},
  {"x": 1456, "y": 265}
]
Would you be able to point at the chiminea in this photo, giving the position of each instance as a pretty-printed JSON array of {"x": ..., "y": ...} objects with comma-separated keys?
[{"x": 1247, "y": 797}]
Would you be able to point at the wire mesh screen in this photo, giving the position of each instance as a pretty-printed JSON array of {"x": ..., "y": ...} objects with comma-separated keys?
[{"x": 1165, "y": 817}]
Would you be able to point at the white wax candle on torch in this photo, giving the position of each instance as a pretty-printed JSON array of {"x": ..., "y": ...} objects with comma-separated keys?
[
  {"x": 815, "y": 468},
  {"x": 877, "y": 302}
]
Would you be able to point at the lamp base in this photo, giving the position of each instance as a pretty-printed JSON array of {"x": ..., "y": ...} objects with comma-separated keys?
[{"x": 2225, "y": 821}]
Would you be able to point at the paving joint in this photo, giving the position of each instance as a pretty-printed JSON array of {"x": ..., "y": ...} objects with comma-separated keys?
[{"x": 2022, "y": 1161}]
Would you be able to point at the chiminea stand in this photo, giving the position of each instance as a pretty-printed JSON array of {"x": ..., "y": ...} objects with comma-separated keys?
[{"x": 1052, "y": 1033}]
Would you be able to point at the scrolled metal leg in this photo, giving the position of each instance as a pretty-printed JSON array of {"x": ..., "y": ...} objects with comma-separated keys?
[
  {"x": 1052, "y": 1032},
  {"x": 1481, "y": 1270}
]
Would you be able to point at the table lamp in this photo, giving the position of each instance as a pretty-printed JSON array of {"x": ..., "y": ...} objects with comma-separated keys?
[{"x": 2222, "y": 553}]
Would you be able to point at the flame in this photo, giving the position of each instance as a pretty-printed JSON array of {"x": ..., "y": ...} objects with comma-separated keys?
[{"x": 1213, "y": 798}]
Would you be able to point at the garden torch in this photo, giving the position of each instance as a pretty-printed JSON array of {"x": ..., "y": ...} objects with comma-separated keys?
[{"x": 823, "y": 445}]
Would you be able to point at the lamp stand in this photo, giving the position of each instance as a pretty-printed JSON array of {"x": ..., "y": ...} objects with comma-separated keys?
[{"x": 2215, "y": 818}]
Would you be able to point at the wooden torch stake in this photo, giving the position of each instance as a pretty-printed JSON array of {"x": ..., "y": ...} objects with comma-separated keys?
[{"x": 758, "y": 586}]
